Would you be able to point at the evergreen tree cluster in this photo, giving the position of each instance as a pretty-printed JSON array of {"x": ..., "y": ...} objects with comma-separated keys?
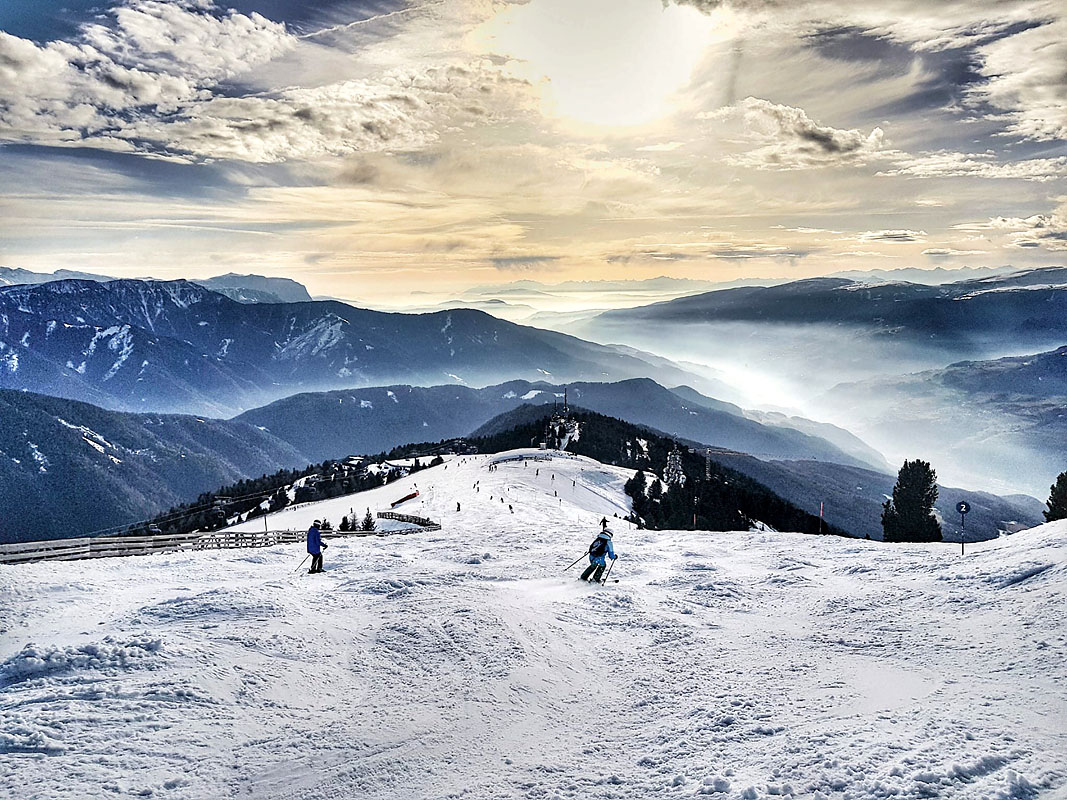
[
  {"x": 348, "y": 524},
  {"x": 1057, "y": 499},
  {"x": 211, "y": 510},
  {"x": 909, "y": 516}
]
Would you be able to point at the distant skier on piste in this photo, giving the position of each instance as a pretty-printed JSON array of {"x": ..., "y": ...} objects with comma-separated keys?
[
  {"x": 600, "y": 550},
  {"x": 315, "y": 547}
]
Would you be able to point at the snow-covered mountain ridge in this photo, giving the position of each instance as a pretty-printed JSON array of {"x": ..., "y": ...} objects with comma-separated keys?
[
  {"x": 242, "y": 288},
  {"x": 466, "y": 663},
  {"x": 189, "y": 349}
]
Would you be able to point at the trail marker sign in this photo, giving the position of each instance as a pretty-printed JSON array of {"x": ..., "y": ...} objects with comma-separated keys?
[{"x": 962, "y": 507}]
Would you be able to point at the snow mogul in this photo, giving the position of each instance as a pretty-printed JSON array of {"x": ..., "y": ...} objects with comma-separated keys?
[{"x": 600, "y": 550}]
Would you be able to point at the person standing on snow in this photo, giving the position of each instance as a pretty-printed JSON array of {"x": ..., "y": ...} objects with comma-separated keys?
[
  {"x": 599, "y": 551},
  {"x": 315, "y": 547}
]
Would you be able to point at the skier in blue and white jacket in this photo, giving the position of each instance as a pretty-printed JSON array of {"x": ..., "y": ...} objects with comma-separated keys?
[
  {"x": 315, "y": 547},
  {"x": 599, "y": 551}
]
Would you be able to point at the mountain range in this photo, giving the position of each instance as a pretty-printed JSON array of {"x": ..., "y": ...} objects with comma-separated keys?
[
  {"x": 72, "y": 467},
  {"x": 1023, "y": 309},
  {"x": 176, "y": 346},
  {"x": 852, "y": 497},
  {"x": 867, "y": 357},
  {"x": 614, "y": 293},
  {"x": 335, "y": 424},
  {"x": 242, "y": 288},
  {"x": 367, "y": 381},
  {"x": 69, "y": 468},
  {"x": 1005, "y": 418}
]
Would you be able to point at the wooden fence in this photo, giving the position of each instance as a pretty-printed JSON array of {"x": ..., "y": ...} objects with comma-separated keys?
[
  {"x": 95, "y": 547},
  {"x": 105, "y": 546}
]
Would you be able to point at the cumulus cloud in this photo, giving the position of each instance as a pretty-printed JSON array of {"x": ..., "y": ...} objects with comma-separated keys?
[
  {"x": 1053, "y": 237},
  {"x": 152, "y": 58},
  {"x": 1027, "y": 79},
  {"x": 863, "y": 254},
  {"x": 793, "y": 140},
  {"x": 153, "y": 80},
  {"x": 891, "y": 236},
  {"x": 400, "y": 110},
  {"x": 702, "y": 251},
  {"x": 525, "y": 263},
  {"x": 750, "y": 251},
  {"x": 949, "y": 252},
  {"x": 804, "y": 229},
  {"x": 948, "y": 164},
  {"x": 1048, "y": 231},
  {"x": 1007, "y": 223},
  {"x": 1017, "y": 47},
  {"x": 187, "y": 38}
]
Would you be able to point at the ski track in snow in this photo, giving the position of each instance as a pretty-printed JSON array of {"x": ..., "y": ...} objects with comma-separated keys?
[{"x": 464, "y": 664}]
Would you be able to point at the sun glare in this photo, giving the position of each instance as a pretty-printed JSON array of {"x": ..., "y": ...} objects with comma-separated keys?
[{"x": 602, "y": 62}]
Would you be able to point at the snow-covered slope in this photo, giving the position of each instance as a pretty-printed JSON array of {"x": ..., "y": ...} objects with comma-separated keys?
[
  {"x": 524, "y": 481},
  {"x": 464, "y": 663}
]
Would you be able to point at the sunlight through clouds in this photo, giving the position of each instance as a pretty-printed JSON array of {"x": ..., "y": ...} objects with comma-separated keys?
[
  {"x": 452, "y": 138},
  {"x": 604, "y": 63}
]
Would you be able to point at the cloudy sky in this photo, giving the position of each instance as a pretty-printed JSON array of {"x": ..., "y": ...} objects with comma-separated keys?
[{"x": 369, "y": 149}]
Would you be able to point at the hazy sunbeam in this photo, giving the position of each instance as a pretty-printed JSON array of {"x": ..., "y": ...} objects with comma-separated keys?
[{"x": 604, "y": 62}]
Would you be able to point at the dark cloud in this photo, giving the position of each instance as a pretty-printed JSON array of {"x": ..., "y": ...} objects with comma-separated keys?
[
  {"x": 359, "y": 173},
  {"x": 851, "y": 43},
  {"x": 793, "y": 140}
]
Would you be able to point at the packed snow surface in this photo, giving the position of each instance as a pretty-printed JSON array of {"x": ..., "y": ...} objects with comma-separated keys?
[{"x": 466, "y": 663}]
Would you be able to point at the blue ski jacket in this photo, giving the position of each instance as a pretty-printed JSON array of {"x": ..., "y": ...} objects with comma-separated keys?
[
  {"x": 610, "y": 553},
  {"x": 314, "y": 541}
]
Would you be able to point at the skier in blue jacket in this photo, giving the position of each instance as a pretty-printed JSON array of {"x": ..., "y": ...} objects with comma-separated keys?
[
  {"x": 315, "y": 547},
  {"x": 599, "y": 551}
]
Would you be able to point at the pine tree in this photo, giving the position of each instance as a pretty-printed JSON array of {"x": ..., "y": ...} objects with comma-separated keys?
[
  {"x": 635, "y": 488},
  {"x": 368, "y": 522},
  {"x": 1057, "y": 499},
  {"x": 908, "y": 517},
  {"x": 637, "y": 484},
  {"x": 343, "y": 526},
  {"x": 674, "y": 475}
]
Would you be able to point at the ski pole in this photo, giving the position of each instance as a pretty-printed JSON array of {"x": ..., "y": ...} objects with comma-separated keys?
[
  {"x": 610, "y": 568},
  {"x": 583, "y": 555},
  {"x": 298, "y": 566}
]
